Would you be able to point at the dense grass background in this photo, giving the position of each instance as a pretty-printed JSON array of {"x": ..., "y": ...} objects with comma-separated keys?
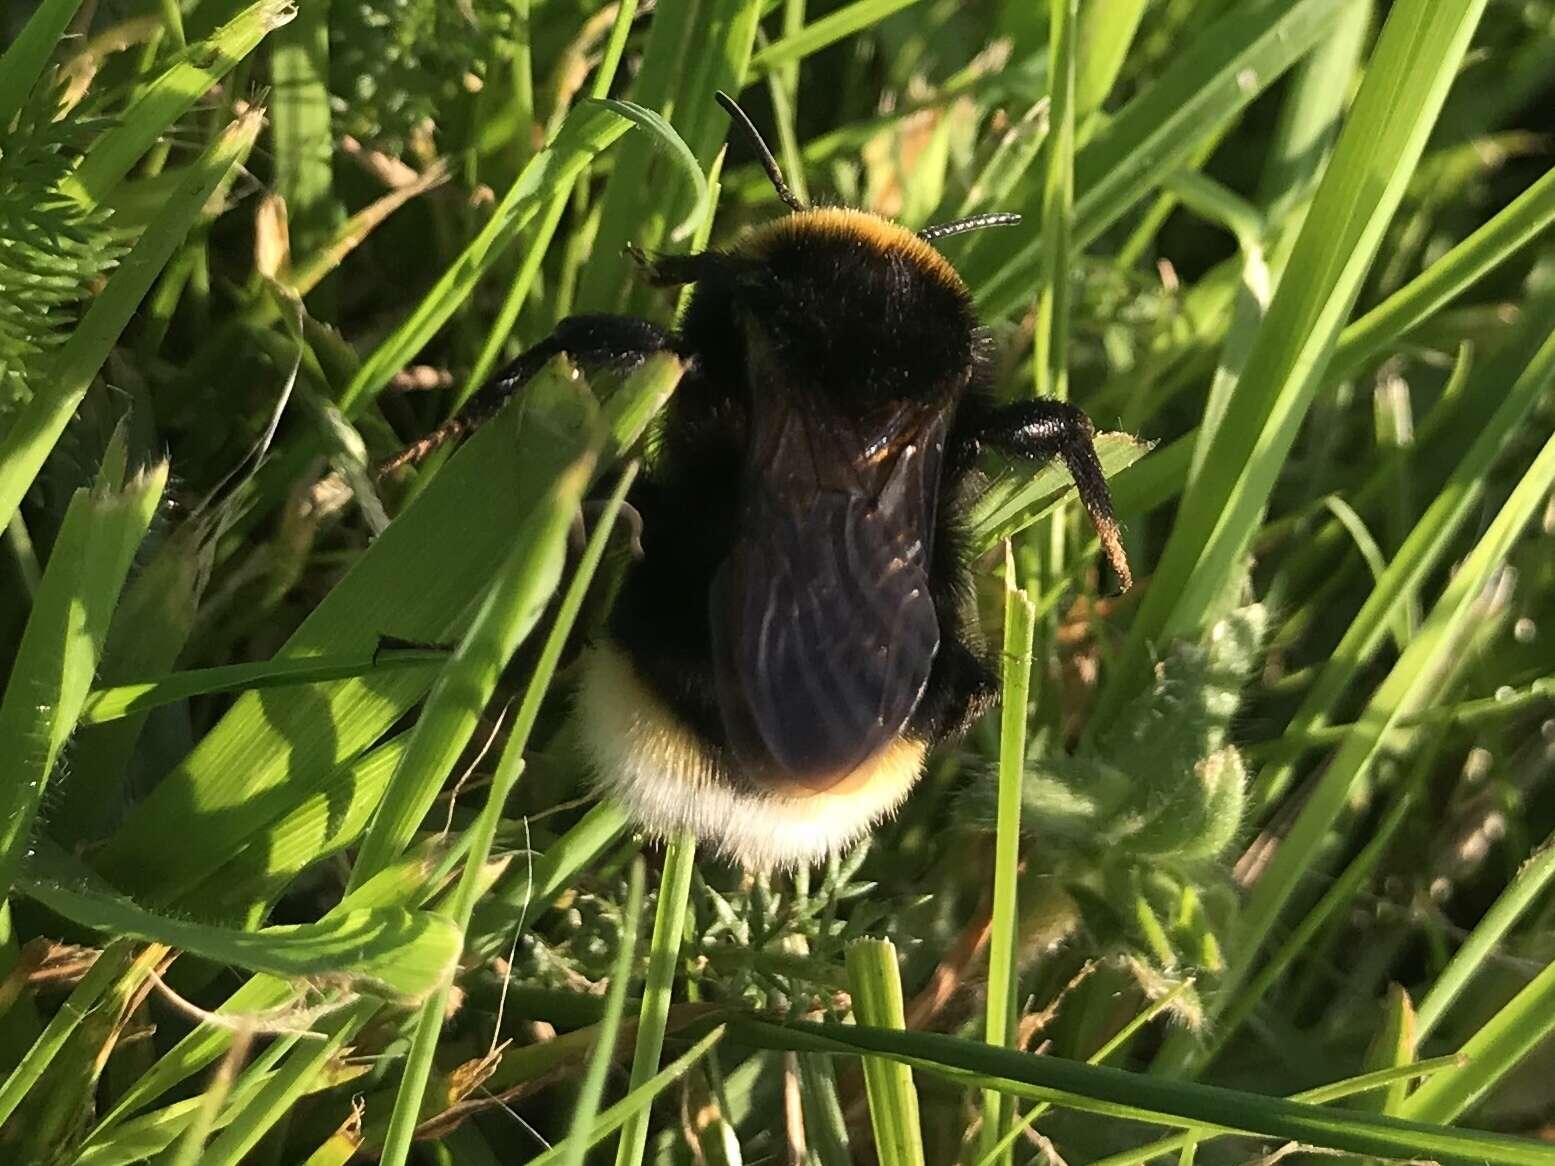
[{"x": 1260, "y": 863}]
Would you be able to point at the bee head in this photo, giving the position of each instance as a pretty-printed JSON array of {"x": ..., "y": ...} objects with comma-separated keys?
[
  {"x": 775, "y": 175},
  {"x": 835, "y": 298}
]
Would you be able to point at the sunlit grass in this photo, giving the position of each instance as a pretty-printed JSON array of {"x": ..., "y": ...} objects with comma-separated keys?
[{"x": 1263, "y": 835}]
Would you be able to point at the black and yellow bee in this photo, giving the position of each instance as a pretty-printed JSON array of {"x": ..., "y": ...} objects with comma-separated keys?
[{"x": 798, "y": 632}]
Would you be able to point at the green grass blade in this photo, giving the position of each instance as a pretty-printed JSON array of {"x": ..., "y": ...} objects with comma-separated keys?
[
  {"x": 550, "y": 218},
  {"x": 1337, "y": 1091},
  {"x": 151, "y": 626},
  {"x": 875, "y": 982},
  {"x": 636, "y": 1103},
  {"x": 1212, "y": 81},
  {"x": 170, "y": 96},
  {"x": 1017, "y": 498},
  {"x": 62, "y": 643},
  {"x": 413, "y": 1083},
  {"x": 1113, "y": 1093},
  {"x": 1310, "y": 116},
  {"x": 106, "y": 705},
  {"x": 1050, "y": 358},
  {"x": 508, "y": 612},
  {"x": 1020, "y": 623},
  {"x": 586, "y": 1108},
  {"x": 587, "y": 131},
  {"x": 420, "y": 580},
  {"x": 694, "y": 48},
  {"x": 1120, "y": 1040},
  {"x": 301, "y": 135},
  {"x": 1485, "y": 940},
  {"x": 36, "y": 428},
  {"x": 1408, "y": 687},
  {"x": 673, "y": 146},
  {"x": 1520, "y": 223},
  {"x": 669, "y": 922},
  {"x": 1406, "y": 83},
  {"x": 387, "y": 950},
  {"x": 828, "y": 30},
  {"x": 1495, "y": 1049},
  {"x": 333, "y": 817},
  {"x": 1105, "y": 34},
  {"x": 27, "y": 57}
]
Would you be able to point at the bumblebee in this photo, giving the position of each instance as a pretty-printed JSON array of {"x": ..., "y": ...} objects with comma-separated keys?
[{"x": 798, "y": 631}]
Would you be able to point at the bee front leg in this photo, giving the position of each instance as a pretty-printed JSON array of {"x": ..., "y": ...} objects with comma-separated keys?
[
  {"x": 594, "y": 342},
  {"x": 1039, "y": 431}
]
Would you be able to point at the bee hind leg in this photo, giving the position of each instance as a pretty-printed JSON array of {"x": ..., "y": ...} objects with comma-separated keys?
[
  {"x": 1041, "y": 430},
  {"x": 594, "y": 342}
]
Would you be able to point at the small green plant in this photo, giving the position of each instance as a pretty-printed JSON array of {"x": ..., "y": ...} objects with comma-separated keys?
[{"x": 52, "y": 249}]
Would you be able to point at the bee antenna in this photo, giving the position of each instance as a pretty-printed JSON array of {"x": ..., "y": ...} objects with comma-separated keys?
[
  {"x": 970, "y": 223},
  {"x": 768, "y": 162}
]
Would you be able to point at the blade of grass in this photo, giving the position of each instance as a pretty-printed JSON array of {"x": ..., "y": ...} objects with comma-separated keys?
[
  {"x": 418, "y": 1065},
  {"x": 27, "y": 56},
  {"x": 1113, "y": 1093},
  {"x": 1020, "y": 621},
  {"x": 1312, "y": 112},
  {"x": 1407, "y": 688},
  {"x": 657, "y": 85},
  {"x": 63, "y": 641},
  {"x": 169, "y": 97},
  {"x": 585, "y": 1109},
  {"x": 694, "y": 48},
  {"x": 105, "y": 705},
  {"x": 36, "y": 429},
  {"x": 1406, "y": 83},
  {"x": 1017, "y": 498},
  {"x": 1050, "y": 353},
  {"x": 828, "y": 30},
  {"x": 518, "y": 292},
  {"x": 510, "y": 609},
  {"x": 1470, "y": 959},
  {"x": 419, "y": 580},
  {"x": 1323, "y": 1094},
  {"x": 636, "y": 1103},
  {"x": 301, "y": 135},
  {"x": 1099, "y": 1057},
  {"x": 390, "y": 950},
  {"x": 1105, "y": 34},
  {"x": 663, "y": 955},
  {"x": 331, "y": 819},
  {"x": 1512, "y": 229},
  {"x": 875, "y": 983},
  {"x": 588, "y": 130},
  {"x": 1495, "y": 1049},
  {"x": 1201, "y": 92}
]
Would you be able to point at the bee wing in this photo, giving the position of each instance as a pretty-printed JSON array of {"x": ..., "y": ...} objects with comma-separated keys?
[{"x": 824, "y": 629}]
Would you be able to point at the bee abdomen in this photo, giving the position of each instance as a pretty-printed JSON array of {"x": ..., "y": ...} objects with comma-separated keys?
[{"x": 669, "y": 779}]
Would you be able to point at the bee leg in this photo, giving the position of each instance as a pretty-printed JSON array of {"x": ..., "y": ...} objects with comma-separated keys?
[
  {"x": 629, "y": 517},
  {"x": 594, "y": 342},
  {"x": 1041, "y": 430}
]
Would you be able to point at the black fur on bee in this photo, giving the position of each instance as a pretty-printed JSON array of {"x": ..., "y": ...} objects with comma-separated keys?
[{"x": 798, "y": 632}]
